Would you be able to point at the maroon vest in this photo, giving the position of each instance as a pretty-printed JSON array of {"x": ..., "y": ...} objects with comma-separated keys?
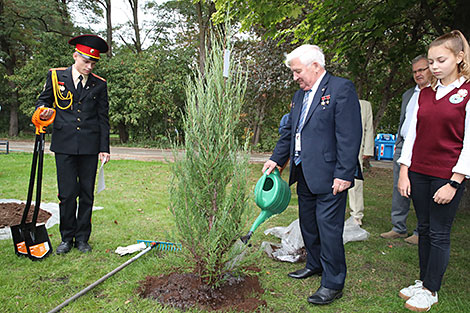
[{"x": 440, "y": 130}]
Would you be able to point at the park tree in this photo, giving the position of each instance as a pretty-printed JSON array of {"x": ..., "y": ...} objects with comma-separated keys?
[
  {"x": 93, "y": 11},
  {"x": 52, "y": 51},
  {"x": 146, "y": 91},
  {"x": 370, "y": 42},
  {"x": 21, "y": 24},
  {"x": 198, "y": 24},
  {"x": 134, "y": 23},
  {"x": 208, "y": 195},
  {"x": 269, "y": 89}
]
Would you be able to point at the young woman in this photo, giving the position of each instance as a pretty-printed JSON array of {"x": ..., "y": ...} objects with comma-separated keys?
[{"x": 435, "y": 162}]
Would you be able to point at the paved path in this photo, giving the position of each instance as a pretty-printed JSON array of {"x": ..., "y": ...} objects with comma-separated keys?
[{"x": 148, "y": 154}]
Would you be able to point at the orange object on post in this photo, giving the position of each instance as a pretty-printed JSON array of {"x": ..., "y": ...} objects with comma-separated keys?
[{"x": 41, "y": 124}]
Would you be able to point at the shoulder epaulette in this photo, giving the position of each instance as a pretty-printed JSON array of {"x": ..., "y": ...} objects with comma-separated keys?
[
  {"x": 98, "y": 77},
  {"x": 58, "y": 69}
]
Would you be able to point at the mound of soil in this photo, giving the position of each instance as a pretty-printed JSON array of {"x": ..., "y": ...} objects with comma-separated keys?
[
  {"x": 11, "y": 214},
  {"x": 185, "y": 290}
]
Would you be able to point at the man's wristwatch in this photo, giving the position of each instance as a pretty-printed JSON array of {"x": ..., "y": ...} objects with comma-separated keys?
[{"x": 454, "y": 184}]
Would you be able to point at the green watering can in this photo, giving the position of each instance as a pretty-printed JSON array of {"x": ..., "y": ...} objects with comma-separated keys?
[{"x": 272, "y": 195}]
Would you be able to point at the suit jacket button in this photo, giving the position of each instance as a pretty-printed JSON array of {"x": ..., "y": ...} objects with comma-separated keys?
[
  {"x": 78, "y": 128},
  {"x": 79, "y": 102},
  {"x": 79, "y": 120},
  {"x": 79, "y": 111}
]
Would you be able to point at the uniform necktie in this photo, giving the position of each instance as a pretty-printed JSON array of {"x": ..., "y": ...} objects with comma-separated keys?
[
  {"x": 303, "y": 114},
  {"x": 79, "y": 85}
]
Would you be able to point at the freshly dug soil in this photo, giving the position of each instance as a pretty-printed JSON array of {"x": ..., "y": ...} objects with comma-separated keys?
[
  {"x": 185, "y": 290},
  {"x": 11, "y": 214}
]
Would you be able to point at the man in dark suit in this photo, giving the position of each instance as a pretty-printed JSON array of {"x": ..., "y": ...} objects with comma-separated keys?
[
  {"x": 322, "y": 138},
  {"x": 401, "y": 205},
  {"x": 80, "y": 135}
]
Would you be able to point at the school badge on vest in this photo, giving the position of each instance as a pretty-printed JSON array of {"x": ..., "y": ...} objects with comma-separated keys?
[{"x": 458, "y": 97}]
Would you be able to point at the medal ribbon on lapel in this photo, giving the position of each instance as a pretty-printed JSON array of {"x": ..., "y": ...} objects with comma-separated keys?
[{"x": 57, "y": 93}]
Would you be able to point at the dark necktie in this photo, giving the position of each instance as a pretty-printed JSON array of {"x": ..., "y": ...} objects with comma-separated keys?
[{"x": 79, "y": 86}]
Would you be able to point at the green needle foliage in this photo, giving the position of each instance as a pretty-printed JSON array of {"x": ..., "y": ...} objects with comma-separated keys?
[{"x": 209, "y": 188}]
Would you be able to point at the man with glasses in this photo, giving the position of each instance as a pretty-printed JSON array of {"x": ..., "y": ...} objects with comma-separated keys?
[{"x": 401, "y": 205}]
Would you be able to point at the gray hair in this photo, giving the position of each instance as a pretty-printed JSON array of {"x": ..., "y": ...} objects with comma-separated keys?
[
  {"x": 307, "y": 54},
  {"x": 419, "y": 58}
]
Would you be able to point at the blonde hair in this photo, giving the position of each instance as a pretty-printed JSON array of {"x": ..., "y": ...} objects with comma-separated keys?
[{"x": 454, "y": 41}]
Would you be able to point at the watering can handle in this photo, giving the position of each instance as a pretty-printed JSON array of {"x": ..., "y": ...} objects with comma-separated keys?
[
  {"x": 275, "y": 171},
  {"x": 262, "y": 181}
]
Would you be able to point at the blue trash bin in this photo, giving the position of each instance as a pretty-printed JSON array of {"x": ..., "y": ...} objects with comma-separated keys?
[{"x": 384, "y": 146}]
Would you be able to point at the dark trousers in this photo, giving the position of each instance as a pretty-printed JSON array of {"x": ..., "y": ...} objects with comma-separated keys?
[
  {"x": 400, "y": 204},
  {"x": 434, "y": 225},
  {"x": 321, "y": 218},
  {"x": 76, "y": 179}
]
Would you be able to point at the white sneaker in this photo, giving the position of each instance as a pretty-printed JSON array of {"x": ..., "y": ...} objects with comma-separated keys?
[
  {"x": 422, "y": 301},
  {"x": 410, "y": 291}
]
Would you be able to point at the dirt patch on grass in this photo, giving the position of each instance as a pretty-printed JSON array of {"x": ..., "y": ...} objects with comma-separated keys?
[
  {"x": 185, "y": 290},
  {"x": 11, "y": 214}
]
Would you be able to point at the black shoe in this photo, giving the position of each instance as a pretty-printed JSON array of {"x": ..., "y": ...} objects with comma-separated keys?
[
  {"x": 64, "y": 247},
  {"x": 304, "y": 273},
  {"x": 83, "y": 246},
  {"x": 325, "y": 296}
]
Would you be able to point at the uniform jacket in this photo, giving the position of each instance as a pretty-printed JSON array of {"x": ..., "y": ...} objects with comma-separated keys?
[
  {"x": 331, "y": 135},
  {"x": 82, "y": 128}
]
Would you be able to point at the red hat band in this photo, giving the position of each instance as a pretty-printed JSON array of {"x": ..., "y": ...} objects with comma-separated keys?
[{"x": 88, "y": 51}]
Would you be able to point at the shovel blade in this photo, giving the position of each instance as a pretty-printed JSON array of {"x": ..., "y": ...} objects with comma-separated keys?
[
  {"x": 17, "y": 233},
  {"x": 37, "y": 242}
]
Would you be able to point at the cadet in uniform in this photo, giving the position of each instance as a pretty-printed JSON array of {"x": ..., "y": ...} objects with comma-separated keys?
[{"x": 80, "y": 134}]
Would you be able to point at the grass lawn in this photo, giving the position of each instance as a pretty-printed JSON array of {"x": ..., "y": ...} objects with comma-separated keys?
[{"x": 136, "y": 207}]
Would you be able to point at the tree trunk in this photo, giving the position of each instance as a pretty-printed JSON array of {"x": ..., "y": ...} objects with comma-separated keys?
[
  {"x": 13, "y": 129},
  {"x": 257, "y": 126},
  {"x": 204, "y": 23},
  {"x": 123, "y": 133},
  {"x": 109, "y": 29},
  {"x": 387, "y": 96},
  {"x": 135, "y": 24},
  {"x": 9, "y": 62},
  {"x": 202, "y": 36}
]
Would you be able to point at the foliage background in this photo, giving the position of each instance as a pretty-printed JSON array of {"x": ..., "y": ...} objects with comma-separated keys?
[{"x": 370, "y": 42}]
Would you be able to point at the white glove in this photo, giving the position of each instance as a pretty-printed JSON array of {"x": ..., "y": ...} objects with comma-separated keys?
[{"x": 130, "y": 249}]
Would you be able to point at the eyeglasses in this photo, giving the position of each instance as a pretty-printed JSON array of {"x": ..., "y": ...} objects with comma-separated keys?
[{"x": 420, "y": 70}]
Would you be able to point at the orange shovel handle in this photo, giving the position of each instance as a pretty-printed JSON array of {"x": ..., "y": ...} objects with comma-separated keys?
[{"x": 39, "y": 123}]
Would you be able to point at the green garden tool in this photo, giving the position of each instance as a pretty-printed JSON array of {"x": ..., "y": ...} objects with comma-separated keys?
[{"x": 272, "y": 195}]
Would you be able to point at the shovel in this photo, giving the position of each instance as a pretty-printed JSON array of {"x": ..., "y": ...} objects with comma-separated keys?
[
  {"x": 272, "y": 195},
  {"x": 30, "y": 239}
]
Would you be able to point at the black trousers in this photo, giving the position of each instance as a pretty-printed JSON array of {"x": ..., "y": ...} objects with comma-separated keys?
[
  {"x": 434, "y": 226},
  {"x": 76, "y": 179},
  {"x": 321, "y": 218}
]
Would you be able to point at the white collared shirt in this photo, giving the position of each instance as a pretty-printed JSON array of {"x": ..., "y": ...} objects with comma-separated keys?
[
  {"x": 409, "y": 111},
  {"x": 314, "y": 90},
  {"x": 75, "y": 75},
  {"x": 463, "y": 163}
]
